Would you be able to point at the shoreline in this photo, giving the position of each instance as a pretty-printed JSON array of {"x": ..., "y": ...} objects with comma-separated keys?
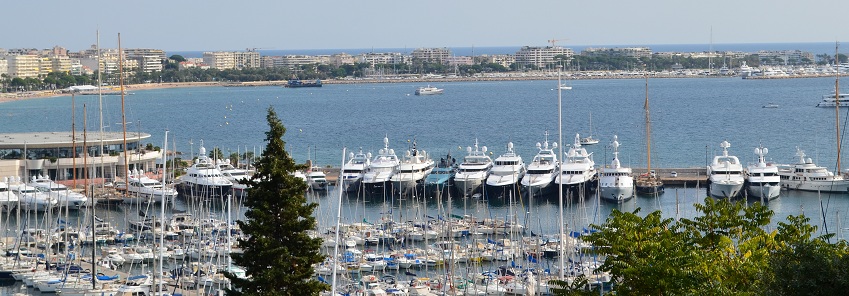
[{"x": 20, "y": 96}]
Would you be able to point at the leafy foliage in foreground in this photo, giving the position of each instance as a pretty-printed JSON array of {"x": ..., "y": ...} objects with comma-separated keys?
[{"x": 725, "y": 250}]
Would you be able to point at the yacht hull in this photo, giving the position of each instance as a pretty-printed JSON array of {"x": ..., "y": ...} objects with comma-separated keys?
[
  {"x": 438, "y": 189},
  {"x": 767, "y": 192},
  {"x": 377, "y": 187},
  {"x": 647, "y": 185},
  {"x": 820, "y": 186},
  {"x": 725, "y": 189},
  {"x": 352, "y": 184},
  {"x": 616, "y": 194},
  {"x": 467, "y": 187}
]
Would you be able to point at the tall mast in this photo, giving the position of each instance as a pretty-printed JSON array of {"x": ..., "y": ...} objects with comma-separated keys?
[
  {"x": 561, "y": 247},
  {"x": 648, "y": 127},
  {"x": 100, "y": 102},
  {"x": 123, "y": 114},
  {"x": 74, "y": 139},
  {"x": 837, "y": 103}
]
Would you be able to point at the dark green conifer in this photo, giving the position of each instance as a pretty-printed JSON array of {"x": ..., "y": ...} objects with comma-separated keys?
[{"x": 278, "y": 254}]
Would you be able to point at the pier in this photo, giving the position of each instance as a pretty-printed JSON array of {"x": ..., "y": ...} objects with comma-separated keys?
[{"x": 691, "y": 176}]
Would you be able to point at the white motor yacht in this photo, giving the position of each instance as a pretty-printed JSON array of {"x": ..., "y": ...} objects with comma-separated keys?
[
  {"x": 830, "y": 101},
  {"x": 203, "y": 179},
  {"x": 354, "y": 170},
  {"x": 32, "y": 198},
  {"x": 616, "y": 183},
  {"x": 578, "y": 170},
  {"x": 143, "y": 189},
  {"x": 8, "y": 198},
  {"x": 428, "y": 90},
  {"x": 381, "y": 169},
  {"x": 234, "y": 175},
  {"x": 412, "y": 170},
  {"x": 762, "y": 177},
  {"x": 317, "y": 178},
  {"x": 473, "y": 171},
  {"x": 725, "y": 174},
  {"x": 745, "y": 70},
  {"x": 61, "y": 193},
  {"x": 805, "y": 175},
  {"x": 507, "y": 170},
  {"x": 542, "y": 170}
]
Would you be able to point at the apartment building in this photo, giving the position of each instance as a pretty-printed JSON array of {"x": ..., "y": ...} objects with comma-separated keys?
[
  {"x": 632, "y": 52},
  {"x": 541, "y": 56},
  {"x": 23, "y": 66},
  {"x": 220, "y": 59},
  {"x": 247, "y": 59},
  {"x": 432, "y": 55}
]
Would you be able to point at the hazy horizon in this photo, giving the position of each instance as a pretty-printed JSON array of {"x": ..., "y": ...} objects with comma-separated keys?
[{"x": 329, "y": 24}]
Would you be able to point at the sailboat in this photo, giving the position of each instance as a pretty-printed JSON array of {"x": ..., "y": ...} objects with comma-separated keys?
[
  {"x": 589, "y": 140},
  {"x": 648, "y": 183}
]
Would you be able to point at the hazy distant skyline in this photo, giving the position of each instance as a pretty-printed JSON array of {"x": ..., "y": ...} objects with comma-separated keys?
[{"x": 327, "y": 24}]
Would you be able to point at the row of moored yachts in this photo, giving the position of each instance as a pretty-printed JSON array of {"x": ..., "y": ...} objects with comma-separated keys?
[{"x": 478, "y": 174}]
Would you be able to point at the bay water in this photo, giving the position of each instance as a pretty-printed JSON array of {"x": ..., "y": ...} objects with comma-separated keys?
[{"x": 690, "y": 117}]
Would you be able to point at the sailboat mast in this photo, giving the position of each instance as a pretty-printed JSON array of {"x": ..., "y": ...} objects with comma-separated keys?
[
  {"x": 74, "y": 139},
  {"x": 338, "y": 221},
  {"x": 837, "y": 103},
  {"x": 162, "y": 211},
  {"x": 85, "y": 168},
  {"x": 648, "y": 128},
  {"x": 560, "y": 238},
  {"x": 123, "y": 114}
]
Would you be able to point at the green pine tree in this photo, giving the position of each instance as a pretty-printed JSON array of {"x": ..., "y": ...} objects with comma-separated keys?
[{"x": 278, "y": 254}]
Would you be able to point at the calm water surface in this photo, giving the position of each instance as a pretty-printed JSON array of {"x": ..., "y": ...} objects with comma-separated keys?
[{"x": 690, "y": 117}]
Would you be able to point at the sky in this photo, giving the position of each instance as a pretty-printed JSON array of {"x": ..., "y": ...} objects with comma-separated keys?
[{"x": 189, "y": 25}]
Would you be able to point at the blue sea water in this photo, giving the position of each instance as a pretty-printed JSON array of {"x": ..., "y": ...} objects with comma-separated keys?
[{"x": 690, "y": 117}]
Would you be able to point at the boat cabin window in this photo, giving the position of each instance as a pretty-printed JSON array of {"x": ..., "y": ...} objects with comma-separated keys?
[
  {"x": 350, "y": 171},
  {"x": 509, "y": 162},
  {"x": 539, "y": 172},
  {"x": 725, "y": 172}
]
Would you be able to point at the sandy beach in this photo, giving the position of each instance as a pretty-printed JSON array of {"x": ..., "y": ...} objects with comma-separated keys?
[{"x": 11, "y": 97}]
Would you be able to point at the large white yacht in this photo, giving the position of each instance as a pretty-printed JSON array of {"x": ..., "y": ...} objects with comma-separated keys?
[
  {"x": 316, "y": 178},
  {"x": 507, "y": 170},
  {"x": 725, "y": 174},
  {"x": 578, "y": 170},
  {"x": 354, "y": 170},
  {"x": 203, "y": 179},
  {"x": 745, "y": 70},
  {"x": 542, "y": 170},
  {"x": 805, "y": 175},
  {"x": 32, "y": 198},
  {"x": 616, "y": 183},
  {"x": 63, "y": 195},
  {"x": 830, "y": 101},
  {"x": 762, "y": 178},
  {"x": 142, "y": 189},
  {"x": 234, "y": 175},
  {"x": 381, "y": 169},
  {"x": 8, "y": 198},
  {"x": 412, "y": 170},
  {"x": 472, "y": 172}
]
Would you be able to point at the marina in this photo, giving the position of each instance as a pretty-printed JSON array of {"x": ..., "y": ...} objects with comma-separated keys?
[{"x": 513, "y": 227}]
